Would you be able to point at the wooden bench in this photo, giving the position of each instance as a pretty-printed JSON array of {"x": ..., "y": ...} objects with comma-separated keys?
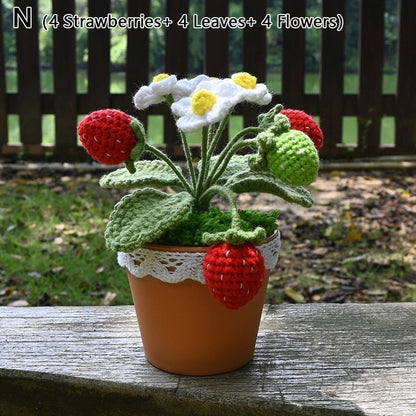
[{"x": 315, "y": 359}]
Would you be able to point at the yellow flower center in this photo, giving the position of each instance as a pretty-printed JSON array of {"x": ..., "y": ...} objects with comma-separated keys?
[
  {"x": 160, "y": 77},
  {"x": 245, "y": 80},
  {"x": 202, "y": 101}
]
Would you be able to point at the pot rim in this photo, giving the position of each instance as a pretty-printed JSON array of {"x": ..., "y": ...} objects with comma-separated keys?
[{"x": 173, "y": 264}]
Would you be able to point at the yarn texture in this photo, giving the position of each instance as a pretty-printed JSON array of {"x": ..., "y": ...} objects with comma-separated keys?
[
  {"x": 294, "y": 158},
  {"x": 192, "y": 229},
  {"x": 144, "y": 215},
  {"x": 245, "y": 80},
  {"x": 155, "y": 93},
  {"x": 299, "y": 120},
  {"x": 202, "y": 101},
  {"x": 210, "y": 102},
  {"x": 234, "y": 274},
  {"x": 107, "y": 136},
  {"x": 250, "y": 89},
  {"x": 155, "y": 173}
]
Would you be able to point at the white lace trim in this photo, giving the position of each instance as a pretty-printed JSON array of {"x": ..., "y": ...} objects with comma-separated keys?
[{"x": 174, "y": 267}]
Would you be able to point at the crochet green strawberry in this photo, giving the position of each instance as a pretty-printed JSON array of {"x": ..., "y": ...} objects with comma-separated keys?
[
  {"x": 294, "y": 158},
  {"x": 234, "y": 274},
  {"x": 299, "y": 120},
  {"x": 109, "y": 136}
]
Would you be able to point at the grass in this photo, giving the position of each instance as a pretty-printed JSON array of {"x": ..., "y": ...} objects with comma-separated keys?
[
  {"x": 52, "y": 249},
  {"x": 312, "y": 85}
]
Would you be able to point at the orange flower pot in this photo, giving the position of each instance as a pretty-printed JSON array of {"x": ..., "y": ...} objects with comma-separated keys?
[{"x": 185, "y": 330}]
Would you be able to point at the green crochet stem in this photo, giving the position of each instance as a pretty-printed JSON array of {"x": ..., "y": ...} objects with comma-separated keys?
[
  {"x": 235, "y": 234},
  {"x": 218, "y": 189},
  {"x": 211, "y": 134},
  {"x": 204, "y": 163},
  {"x": 140, "y": 146},
  {"x": 232, "y": 147},
  {"x": 218, "y": 133},
  {"x": 188, "y": 157},
  {"x": 169, "y": 99},
  {"x": 178, "y": 173},
  {"x": 209, "y": 143}
]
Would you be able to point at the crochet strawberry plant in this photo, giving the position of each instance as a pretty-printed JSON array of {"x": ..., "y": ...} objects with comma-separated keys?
[{"x": 280, "y": 159}]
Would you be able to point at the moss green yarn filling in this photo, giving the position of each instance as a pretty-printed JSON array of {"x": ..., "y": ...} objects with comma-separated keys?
[{"x": 189, "y": 231}]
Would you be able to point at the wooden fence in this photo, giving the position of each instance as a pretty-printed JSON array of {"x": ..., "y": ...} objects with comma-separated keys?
[{"x": 331, "y": 104}]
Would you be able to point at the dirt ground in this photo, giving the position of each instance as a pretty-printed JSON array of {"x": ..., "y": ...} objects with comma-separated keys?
[{"x": 356, "y": 244}]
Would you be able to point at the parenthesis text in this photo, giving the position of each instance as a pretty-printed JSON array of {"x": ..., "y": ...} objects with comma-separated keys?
[{"x": 340, "y": 25}]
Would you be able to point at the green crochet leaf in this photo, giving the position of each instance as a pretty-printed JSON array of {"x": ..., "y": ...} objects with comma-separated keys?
[
  {"x": 249, "y": 181},
  {"x": 236, "y": 165},
  {"x": 143, "y": 216},
  {"x": 152, "y": 173}
]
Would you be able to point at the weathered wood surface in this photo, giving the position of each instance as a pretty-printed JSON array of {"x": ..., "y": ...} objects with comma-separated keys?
[{"x": 321, "y": 359}]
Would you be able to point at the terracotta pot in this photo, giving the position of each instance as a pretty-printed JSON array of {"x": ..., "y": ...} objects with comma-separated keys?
[{"x": 185, "y": 330}]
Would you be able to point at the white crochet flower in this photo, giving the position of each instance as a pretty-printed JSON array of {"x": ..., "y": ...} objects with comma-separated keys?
[
  {"x": 185, "y": 87},
  {"x": 154, "y": 93},
  {"x": 209, "y": 103},
  {"x": 250, "y": 90}
]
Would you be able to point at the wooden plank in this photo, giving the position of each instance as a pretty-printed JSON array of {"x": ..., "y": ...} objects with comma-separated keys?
[
  {"x": 254, "y": 51},
  {"x": 312, "y": 359},
  {"x": 176, "y": 39},
  {"x": 216, "y": 45},
  {"x": 3, "y": 104},
  {"x": 332, "y": 77},
  {"x": 254, "y": 40},
  {"x": 28, "y": 78},
  {"x": 406, "y": 80},
  {"x": 137, "y": 60},
  {"x": 293, "y": 58},
  {"x": 137, "y": 65},
  {"x": 65, "y": 83},
  {"x": 216, "y": 49},
  {"x": 370, "y": 74},
  {"x": 176, "y": 61},
  {"x": 98, "y": 58}
]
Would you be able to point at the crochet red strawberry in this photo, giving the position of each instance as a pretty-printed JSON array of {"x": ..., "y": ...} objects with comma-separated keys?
[
  {"x": 234, "y": 274},
  {"x": 299, "y": 120},
  {"x": 107, "y": 136}
]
